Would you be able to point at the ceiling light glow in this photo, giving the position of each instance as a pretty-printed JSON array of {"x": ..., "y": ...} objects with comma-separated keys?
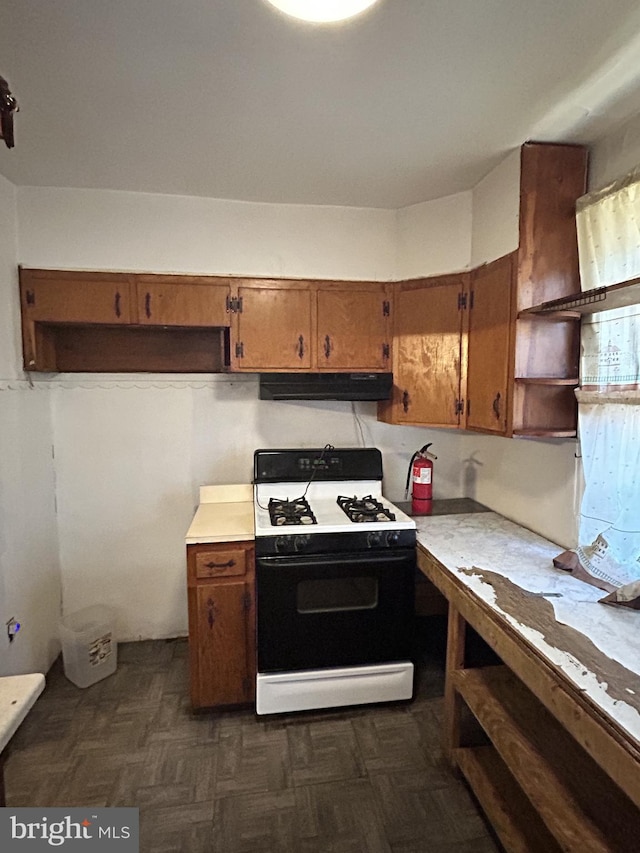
[{"x": 322, "y": 11}]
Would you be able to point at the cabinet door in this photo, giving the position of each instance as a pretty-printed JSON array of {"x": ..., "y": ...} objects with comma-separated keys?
[
  {"x": 219, "y": 644},
  {"x": 272, "y": 329},
  {"x": 353, "y": 329},
  {"x": 168, "y": 301},
  {"x": 489, "y": 354},
  {"x": 74, "y": 298},
  {"x": 427, "y": 353}
]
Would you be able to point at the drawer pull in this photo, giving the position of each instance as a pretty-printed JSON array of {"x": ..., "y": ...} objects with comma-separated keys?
[{"x": 228, "y": 565}]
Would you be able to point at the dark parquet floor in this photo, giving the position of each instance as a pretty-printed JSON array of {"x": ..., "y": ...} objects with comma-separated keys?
[{"x": 344, "y": 781}]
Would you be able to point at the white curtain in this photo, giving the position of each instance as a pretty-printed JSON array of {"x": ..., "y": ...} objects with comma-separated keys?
[{"x": 608, "y": 225}]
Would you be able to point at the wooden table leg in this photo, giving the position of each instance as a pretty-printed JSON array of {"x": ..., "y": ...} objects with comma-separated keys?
[{"x": 456, "y": 632}]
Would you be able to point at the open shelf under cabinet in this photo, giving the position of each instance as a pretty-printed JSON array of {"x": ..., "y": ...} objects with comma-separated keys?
[{"x": 577, "y": 802}]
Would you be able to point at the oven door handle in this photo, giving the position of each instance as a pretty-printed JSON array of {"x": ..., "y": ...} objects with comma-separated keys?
[{"x": 361, "y": 558}]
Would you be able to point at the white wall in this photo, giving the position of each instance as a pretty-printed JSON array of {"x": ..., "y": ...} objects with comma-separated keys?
[
  {"x": 30, "y": 586},
  {"x": 496, "y": 208},
  {"x": 98, "y": 229},
  {"x": 132, "y": 451},
  {"x": 434, "y": 237},
  {"x": 615, "y": 154}
]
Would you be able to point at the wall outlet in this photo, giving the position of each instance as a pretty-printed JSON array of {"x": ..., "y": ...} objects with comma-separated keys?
[{"x": 13, "y": 626}]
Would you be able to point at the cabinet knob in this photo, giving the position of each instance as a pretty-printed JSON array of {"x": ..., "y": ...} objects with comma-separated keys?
[
  {"x": 301, "y": 347},
  {"x": 211, "y": 612},
  {"x": 496, "y": 406},
  {"x": 406, "y": 400},
  {"x": 116, "y": 304},
  {"x": 147, "y": 305},
  {"x": 327, "y": 346}
]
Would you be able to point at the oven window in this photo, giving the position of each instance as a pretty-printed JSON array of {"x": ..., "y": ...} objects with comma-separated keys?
[{"x": 325, "y": 595}]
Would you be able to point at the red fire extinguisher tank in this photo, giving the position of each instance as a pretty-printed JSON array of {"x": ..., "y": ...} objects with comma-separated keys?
[{"x": 420, "y": 475}]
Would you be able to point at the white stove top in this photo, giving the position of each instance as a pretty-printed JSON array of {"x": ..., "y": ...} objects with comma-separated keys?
[{"x": 322, "y": 498}]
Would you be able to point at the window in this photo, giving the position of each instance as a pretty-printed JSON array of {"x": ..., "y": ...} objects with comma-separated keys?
[{"x": 608, "y": 554}]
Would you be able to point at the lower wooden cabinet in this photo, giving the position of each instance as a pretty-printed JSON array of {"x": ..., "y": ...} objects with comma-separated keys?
[{"x": 221, "y": 598}]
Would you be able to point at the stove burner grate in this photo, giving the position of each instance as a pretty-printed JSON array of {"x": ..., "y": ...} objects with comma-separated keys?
[
  {"x": 297, "y": 511},
  {"x": 364, "y": 509}
]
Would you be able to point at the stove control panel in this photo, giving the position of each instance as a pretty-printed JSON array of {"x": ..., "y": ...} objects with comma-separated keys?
[
  {"x": 383, "y": 539},
  {"x": 321, "y": 464},
  {"x": 327, "y": 464},
  {"x": 340, "y": 544}
]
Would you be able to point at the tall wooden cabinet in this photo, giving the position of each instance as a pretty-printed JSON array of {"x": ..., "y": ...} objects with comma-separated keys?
[
  {"x": 517, "y": 369},
  {"x": 428, "y": 352},
  {"x": 489, "y": 366},
  {"x": 523, "y": 368},
  {"x": 221, "y": 600}
]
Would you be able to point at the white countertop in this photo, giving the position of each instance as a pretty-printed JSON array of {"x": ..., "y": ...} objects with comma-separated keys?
[
  {"x": 18, "y": 694},
  {"x": 477, "y": 547},
  {"x": 225, "y": 514}
]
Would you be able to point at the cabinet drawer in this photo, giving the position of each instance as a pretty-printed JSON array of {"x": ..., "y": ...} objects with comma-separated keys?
[{"x": 215, "y": 564}]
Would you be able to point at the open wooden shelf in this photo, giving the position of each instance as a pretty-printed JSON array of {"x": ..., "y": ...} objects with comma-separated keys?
[
  {"x": 589, "y": 301},
  {"x": 544, "y": 407},
  {"x": 579, "y": 804},
  {"x": 543, "y": 432},
  {"x": 516, "y": 822},
  {"x": 535, "y": 380}
]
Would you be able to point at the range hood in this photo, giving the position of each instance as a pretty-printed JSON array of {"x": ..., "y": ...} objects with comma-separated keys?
[{"x": 325, "y": 386}]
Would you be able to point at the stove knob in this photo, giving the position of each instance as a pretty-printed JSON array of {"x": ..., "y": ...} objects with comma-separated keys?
[
  {"x": 282, "y": 544},
  {"x": 300, "y": 542},
  {"x": 393, "y": 538},
  {"x": 374, "y": 540}
]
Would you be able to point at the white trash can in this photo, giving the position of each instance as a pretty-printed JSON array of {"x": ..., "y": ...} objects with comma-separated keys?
[{"x": 89, "y": 649}]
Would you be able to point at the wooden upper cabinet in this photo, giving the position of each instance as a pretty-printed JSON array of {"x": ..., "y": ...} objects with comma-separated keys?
[
  {"x": 182, "y": 301},
  {"x": 272, "y": 326},
  {"x": 53, "y": 301},
  {"x": 523, "y": 369},
  {"x": 428, "y": 352},
  {"x": 489, "y": 346},
  {"x": 67, "y": 297},
  {"x": 354, "y": 327},
  {"x": 91, "y": 322}
]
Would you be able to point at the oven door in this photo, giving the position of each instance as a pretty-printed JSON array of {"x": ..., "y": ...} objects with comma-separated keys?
[{"x": 334, "y": 610}]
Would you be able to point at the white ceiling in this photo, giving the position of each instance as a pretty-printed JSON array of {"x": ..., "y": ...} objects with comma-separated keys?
[{"x": 414, "y": 100}]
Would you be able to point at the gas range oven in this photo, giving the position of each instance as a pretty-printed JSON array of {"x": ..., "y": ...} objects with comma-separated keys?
[{"x": 335, "y": 574}]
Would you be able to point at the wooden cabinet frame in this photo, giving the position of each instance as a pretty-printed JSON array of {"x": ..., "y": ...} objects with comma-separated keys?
[
  {"x": 222, "y": 630},
  {"x": 297, "y": 325},
  {"x": 429, "y": 352},
  {"x": 554, "y": 774},
  {"x": 95, "y": 321}
]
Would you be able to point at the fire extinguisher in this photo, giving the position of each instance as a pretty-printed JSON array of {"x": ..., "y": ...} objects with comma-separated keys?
[{"x": 420, "y": 475}]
